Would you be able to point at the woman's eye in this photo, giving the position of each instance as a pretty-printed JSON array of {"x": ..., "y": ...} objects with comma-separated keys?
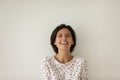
[
  {"x": 67, "y": 35},
  {"x": 59, "y": 36}
]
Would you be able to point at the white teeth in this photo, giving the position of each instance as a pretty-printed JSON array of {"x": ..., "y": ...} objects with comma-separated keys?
[{"x": 63, "y": 43}]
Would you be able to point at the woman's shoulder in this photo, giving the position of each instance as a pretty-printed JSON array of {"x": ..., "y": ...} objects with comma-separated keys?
[
  {"x": 80, "y": 58},
  {"x": 45, "y": 59}
]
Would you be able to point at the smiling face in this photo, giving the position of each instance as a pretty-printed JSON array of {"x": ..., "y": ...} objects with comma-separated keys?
[{"x": 63, "y": 39}]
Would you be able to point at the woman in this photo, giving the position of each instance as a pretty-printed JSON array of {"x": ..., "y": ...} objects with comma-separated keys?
[{"x": 63, "y": 65}]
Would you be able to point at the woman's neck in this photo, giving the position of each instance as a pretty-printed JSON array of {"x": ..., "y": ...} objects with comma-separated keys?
[{"x": 63, "y": 57}]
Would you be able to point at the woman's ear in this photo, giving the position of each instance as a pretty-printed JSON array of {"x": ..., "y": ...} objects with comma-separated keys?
[
  {"x": 54, "y": 43},
  {"x": 72, "y": 43}
]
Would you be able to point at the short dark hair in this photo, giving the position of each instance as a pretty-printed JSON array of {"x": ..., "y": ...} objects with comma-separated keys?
[{"x": 54, "y": 33}]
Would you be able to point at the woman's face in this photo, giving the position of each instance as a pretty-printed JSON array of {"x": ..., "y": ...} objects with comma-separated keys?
[{"x": 64, "y": 39}]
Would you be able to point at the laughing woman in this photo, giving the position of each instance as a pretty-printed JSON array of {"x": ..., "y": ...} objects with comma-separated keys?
[{"x": 63, "y": 65}]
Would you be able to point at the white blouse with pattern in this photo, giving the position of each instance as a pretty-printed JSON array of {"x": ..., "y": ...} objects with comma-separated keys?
[{"x": 51, "y": 69}]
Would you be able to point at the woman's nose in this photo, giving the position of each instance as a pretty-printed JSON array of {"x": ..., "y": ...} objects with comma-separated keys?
[{"x": 64, "y": 38}]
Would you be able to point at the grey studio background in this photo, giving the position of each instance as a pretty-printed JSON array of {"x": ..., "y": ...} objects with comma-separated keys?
[{"x": 26, "y": 25}]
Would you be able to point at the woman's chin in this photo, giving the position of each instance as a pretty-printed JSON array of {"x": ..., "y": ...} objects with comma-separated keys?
[{"x": 64, "y": 48}]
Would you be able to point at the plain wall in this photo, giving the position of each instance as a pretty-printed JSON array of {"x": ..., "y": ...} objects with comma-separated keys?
[{"x": 26, "y": 26}]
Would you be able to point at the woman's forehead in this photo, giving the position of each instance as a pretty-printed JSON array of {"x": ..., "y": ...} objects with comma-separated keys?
[{"x": 64, "y": 30}]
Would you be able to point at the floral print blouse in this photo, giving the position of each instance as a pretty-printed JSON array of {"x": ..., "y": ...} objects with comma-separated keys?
[{"x": 51, "y": 69}]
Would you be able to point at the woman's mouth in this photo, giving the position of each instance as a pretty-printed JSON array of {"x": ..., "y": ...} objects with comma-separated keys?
[{"x": 63, "y": 43}]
